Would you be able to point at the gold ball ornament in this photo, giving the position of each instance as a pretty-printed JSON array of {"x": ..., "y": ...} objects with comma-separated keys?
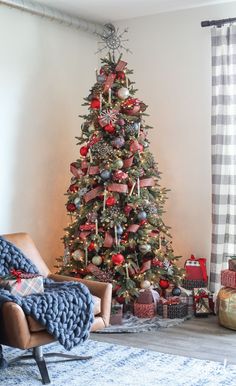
[{"x": 145, "y": 284}]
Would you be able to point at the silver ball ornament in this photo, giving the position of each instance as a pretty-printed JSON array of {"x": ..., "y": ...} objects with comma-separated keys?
[
  {"x": 77, "y": 202},
  {"x": 118, "y": 164},
  {"x": 145, "y": 248},
  {"x": 105, "y": 174},
  {"x": 123, "y": 93},
  {"x": 142, "y": 215},
  {"x": 145, "y": 284},
  {"x": 97, "y": 260}
]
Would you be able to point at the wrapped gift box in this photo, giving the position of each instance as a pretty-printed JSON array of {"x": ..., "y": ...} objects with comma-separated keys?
[
  {"x": 172, "y": 311},
  {"x": 116, "y": 314},
  {"x": 201, "y": 302},
  {"x": 191, "y": 284},
  {"x": 186, "y": 297},
  {"x": 228, "y": 278},
  {"x": 145, "y": 305},
  {"x": 22, "y": 284},
  {"x": 232, "y": 264}
]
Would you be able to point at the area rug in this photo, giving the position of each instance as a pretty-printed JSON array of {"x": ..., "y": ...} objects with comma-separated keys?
[
  {"x": 115, "y": 365},
  {"x": 131, "y": 324}
]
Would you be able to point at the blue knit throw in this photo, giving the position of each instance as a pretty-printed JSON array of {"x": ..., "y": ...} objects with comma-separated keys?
[{"x": 65, "y": 309}]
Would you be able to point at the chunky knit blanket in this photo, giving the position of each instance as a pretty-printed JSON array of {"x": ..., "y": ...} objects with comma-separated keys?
[{"x": 65, "y": 308}]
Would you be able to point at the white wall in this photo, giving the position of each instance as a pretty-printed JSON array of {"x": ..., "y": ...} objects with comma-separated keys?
[
  {"x": 172, "y": 70},
  {"x": 45, "y": 71}
]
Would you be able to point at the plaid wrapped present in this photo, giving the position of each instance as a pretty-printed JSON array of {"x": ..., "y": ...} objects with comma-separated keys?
[
  {"x": 228, "y": 278},
  {"x": 201, "y": 302},
  {"x": 145, "y": 305},
  {"x": 172, "y": 309},
  {"x": 22, "y": 283},
  {"x": 186, "y": 297}
]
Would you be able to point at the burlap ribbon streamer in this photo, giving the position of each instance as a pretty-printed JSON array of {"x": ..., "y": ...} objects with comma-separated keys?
[
  {"x": 133, "y": 228},
  {"x": 120, "y": 65},
  {"x": 120, "y": 188},
  {"x": 147, "y": 182},
  {"x": 93, "y": 170},
  {"x": 76, "y": 172},
  {"x": 93, "y": 193},
  {"x": 108, "y": 241},
  {"x": 128, "y": 162}
]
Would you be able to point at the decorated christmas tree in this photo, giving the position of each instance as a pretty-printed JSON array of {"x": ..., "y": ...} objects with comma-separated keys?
[{"x": 115, "y": 202}]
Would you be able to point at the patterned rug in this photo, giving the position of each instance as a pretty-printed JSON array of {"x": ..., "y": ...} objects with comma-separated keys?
[{"x": 115, "y": 365}]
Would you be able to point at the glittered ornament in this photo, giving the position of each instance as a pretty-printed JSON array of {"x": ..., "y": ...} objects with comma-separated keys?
[
  {"x": 145, "y": 284},
  {"x": 120, "y": 75},
  {"x": 164, "y": 284},
  {"x": 131, "y": 106},
  {"x": 118, "y": 164},
  {"x": 176, "y": 291},
  {"x": 105, "y": 174},
  {"x": 91, "y": 246},
  {"x": 97, "y": 260},
  {"x": 142, "y": 215},
  {"x": 71, "y": 207},
  {"x": 101, "y": 78},
  {"x": 144, "y": 248},
  {"x": 117, "y": 259},
  {"x": 73, "y": 188},
  {"x": 77, "y": 202},
  {"x": 119, "y": 230},
  {"x": 123, "y": 93},
  {"x": 83, "y": 151},
  {"x": 118, "y": 142},
  {"x": 109, "y": 128},
  {"x": 95, "y": 104},
  {"x": 119, "y": 175},
  {"x": 110, "y": 201}
]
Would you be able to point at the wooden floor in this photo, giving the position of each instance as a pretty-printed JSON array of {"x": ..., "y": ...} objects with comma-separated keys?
[{"x": 201, "y": 338}]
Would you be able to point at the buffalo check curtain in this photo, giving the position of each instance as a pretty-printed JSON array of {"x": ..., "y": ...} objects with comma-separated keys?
[{"x": 223, "y": 150}]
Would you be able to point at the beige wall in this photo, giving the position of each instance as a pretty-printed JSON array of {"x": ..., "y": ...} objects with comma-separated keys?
[
  {"x": 172, "y": 70},
  {"x": 45, "y": 71}
]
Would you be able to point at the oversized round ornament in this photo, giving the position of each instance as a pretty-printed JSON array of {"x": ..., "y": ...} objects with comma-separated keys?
[
  {"x": 97, "y": 260},
  {"x": 145, "y": 284},
  {"x": 117, "y": 259},
  {"x": 71, "y": 207},
  {"x": 73, "y": 188},
  {"x": 78, "y": 254},
  {"x": 109, "y": 128},
  {"x": 123, "y": 93},
  {"x": 105, "y": 174},
  {"x": 110, "y": 201},
  {"x": 119, "y": 175},
  {"x": 176, "y": 291},
  {"x": 131, "y": 106},
  {"x": 142, "y": 215},
  {"x": 119, "y": 230},
  {"x": 83, "y": 151},
  {"x": 118, "y": 142},
  {"x": 101, "y": 78},
  {"x": 164, "y": 284},
  {"x": 145, "y": 248},
  {"x": 120, "y": 75},
  {"x": 95, "y": 104},
  {"x": 118, "y": 164},
  {"x": 77, "y": 202}
]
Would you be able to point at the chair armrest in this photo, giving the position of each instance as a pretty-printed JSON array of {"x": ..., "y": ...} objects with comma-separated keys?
[{"x": 99, "y": 289}]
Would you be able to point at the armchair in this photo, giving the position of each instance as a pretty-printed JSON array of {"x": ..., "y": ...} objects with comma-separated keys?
[{"x": 21, "y": 331}]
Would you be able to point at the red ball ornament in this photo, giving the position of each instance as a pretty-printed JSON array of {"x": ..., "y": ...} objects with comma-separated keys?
[
  {"x": 131, "y": 106},
  {"x": 73, "y": 188},
  {"x": 71, "y": 207},
  {"x": 95, "y": 103},
  {"x": 110, "y": 201},
  {"x": 91, "y": 246},
  {"x": 120, "y": 75},
  {"x": 109, "y": 128},
  {"x": 143, "y": 222},
  {"x": 120, "y": 299},
  {"x": 164, "y": 284},
  {"x": 117, "y": 259},
  {"x": 127, "y": 209},
  {"x": 83, "y": 151}
]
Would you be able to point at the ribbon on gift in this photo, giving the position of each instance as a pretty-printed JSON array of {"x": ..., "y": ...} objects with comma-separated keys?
[
  {"x": 147, "y": 182},
  {"x": 171, "y": 300},
  {"x": 93, "y": 193},
  {"x": 120, "y": 65},
  {"x": 120, "y": 188},
  {"x": 128, "y": 162},
  {"x": 17, "y": 275},
  {"x": 109, "y": 82}
]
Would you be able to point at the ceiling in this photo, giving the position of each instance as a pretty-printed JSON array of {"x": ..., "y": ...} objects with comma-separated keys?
[{"x": 114, "y": 10}]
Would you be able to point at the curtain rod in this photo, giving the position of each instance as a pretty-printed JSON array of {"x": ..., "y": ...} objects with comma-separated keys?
[
  {"x": 217, "y": 23},
  {"x": 39, "y": 9}
]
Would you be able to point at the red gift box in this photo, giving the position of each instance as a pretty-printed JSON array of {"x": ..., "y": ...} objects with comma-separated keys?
[
  {"x": 228, "y": 278},
  {"x": 196, "y": 269},
  {"x": 145, "y": 305}
]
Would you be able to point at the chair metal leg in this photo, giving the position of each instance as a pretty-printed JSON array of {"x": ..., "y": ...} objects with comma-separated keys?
[{"x": 39, "y": 358}]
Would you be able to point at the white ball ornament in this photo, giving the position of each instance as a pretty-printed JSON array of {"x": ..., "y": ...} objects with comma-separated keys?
[
  {"x": 78, "y": 255},
  {"x": 145, "y": 284},
  {"x": 123, "y": 93}
]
